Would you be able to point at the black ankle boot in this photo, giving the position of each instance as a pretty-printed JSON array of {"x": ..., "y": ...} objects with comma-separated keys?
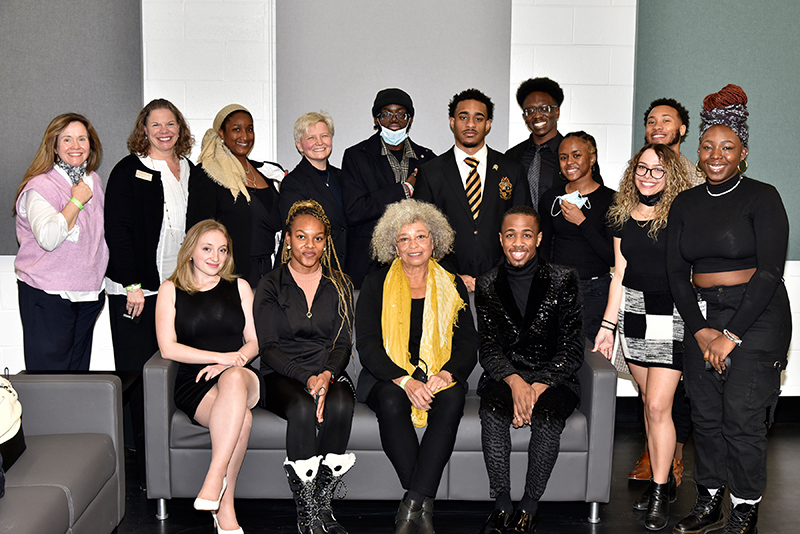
[
  {"x": 425, "y": 525},
  {"x": 408, "y": 516},
  {"x": 658, "y": 508},
  {"x": 706, "y": 515},
  {"x": 742, "y": 519},
  {"x": 644, "y": 500}
]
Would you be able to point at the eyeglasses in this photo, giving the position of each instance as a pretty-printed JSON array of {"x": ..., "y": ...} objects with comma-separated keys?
[
  {"x": 418, "y": 239},
  {"x": 656, "y": 172},
  {"x": 544, "y": 110},
  {"x": 387, "y": 116}
]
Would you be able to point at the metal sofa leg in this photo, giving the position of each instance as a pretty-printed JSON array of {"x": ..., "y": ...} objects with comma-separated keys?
[
  {"x": 594, "y": 512},
  {"x": 161, "y": 511}
]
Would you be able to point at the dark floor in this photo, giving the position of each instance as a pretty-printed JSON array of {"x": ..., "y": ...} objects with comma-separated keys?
[{"x": 617, "y": 517}]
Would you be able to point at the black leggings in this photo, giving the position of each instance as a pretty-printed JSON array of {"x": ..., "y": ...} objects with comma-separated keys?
[
  {"x": 419, "y": 464},
  {"x": 288, "y": 399}
]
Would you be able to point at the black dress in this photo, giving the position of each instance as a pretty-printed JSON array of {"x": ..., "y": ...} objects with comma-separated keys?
[{"x": 210, "y": 320}]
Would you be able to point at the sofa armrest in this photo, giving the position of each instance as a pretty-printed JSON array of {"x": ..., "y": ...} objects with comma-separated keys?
[
  {"x": 75, "y": 404},
  {"x": 159, "y": 407},
  {"x": 598, "y": 403}
]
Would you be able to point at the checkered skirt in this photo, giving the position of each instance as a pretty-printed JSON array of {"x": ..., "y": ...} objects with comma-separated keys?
[{"x": 650, "y": 329}]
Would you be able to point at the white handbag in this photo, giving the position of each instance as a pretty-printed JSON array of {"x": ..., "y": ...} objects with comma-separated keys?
[{"x": 10, "y": 411}]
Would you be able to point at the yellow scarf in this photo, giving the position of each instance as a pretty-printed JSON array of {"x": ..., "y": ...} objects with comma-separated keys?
[
  {"x": 218, "y": 161},
  {"x": 439, "y": 316}
]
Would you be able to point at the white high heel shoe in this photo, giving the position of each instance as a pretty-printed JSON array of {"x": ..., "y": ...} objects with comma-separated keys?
[
  {"x": 206, "y": 505},
  {"x": 221, "y": 531}
]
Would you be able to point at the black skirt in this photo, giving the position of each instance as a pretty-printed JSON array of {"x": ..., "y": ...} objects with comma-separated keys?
[{"x": 189, "y": 394}]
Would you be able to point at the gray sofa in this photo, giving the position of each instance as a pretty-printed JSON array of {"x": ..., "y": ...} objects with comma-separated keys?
[
  {"x": 71, "y": 477},
  {"x": 179, "y": 452}
]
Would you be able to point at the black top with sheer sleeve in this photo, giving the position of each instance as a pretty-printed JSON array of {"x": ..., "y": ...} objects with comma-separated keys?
[{"x": 744, "y": 227}]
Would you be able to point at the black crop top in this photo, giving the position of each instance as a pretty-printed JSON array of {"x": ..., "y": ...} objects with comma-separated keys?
[
  {"x": 744, "y": 227},
  {"x": 646, "y": 264}
]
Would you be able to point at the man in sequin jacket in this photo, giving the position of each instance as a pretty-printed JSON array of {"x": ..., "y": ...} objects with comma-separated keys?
[{"x": 530, "y": 318}]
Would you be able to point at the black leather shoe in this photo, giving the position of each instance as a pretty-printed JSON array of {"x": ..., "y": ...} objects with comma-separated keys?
[
  {"x": 644, "y": 500},
  {"x": 706, "y": 516},
  {"x": 496, "y": 522},
  {"x": 742, "y": 519},
  {"x": 522, "y": 523},
  {"x": 407, "y": 517},
  {"x": 425, "y": 523},
  {"x": 658, "y": 509}
]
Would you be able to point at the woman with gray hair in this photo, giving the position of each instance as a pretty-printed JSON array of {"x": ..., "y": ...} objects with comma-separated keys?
[
  {"x": 315, "y": 178},
  {"x": 418, "y": 344}
]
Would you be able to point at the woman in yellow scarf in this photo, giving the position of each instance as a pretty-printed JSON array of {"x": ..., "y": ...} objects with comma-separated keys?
[{"x": 417, "y": 343}]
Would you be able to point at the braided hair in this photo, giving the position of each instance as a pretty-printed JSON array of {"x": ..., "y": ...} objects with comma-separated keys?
[
  {"x": 727, "y": 107},
  {"x": 329, "y": 260},
  {"x": 589, "y": 138}
]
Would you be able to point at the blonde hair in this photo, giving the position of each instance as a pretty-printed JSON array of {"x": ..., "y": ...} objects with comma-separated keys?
[
  {"x": 306, "y": 120},
  {"x": 329, "y": 259},
  {"x": 45, "y": 156},
  {"x": 405, "y": 212},
  {"x": 627, "y": 197},
  {"x": 137, "y": 141},
  {"x": 183, "y": 277}
]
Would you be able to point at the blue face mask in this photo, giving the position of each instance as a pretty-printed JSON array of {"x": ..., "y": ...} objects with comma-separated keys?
[
  {"x": 573, "y": 198},
  {"x": 394, "y": 137}
]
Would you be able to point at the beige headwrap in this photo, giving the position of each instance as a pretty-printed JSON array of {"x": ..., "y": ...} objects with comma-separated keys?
[{"x": 217, "y": 159}]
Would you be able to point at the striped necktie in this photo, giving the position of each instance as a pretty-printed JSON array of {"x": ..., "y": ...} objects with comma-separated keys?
[
  {"x": 534, "y": 174},
  {"x": 473, "y": 187}
]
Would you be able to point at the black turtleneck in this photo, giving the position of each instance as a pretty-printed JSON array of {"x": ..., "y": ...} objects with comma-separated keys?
[{"x": 520, "y": 279}]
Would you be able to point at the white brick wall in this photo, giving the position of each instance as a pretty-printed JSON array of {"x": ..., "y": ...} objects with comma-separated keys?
[
  {"x": 587, "y": 46},
  {"x": 204, "y": 55}
]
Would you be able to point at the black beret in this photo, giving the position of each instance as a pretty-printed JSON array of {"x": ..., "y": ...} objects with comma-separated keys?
[{"x": 393, "y": 95}]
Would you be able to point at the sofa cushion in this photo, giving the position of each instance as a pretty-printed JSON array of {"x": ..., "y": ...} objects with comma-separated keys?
[
  {"x": 574, "y": 438},
  {"x": 78, "y": 465},
  {"x": 34, "y": 510}
]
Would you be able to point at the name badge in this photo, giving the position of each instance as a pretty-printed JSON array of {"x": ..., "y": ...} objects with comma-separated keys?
[{"x": 144, "y": 176}]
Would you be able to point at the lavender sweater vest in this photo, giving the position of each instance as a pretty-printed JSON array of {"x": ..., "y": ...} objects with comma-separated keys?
[{"x": 71, "y": 266}]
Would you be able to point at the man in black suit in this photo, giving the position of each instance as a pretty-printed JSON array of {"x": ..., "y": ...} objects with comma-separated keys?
[
  {"x": 473, "y": 186},
  {"x": 540, "y": 100},
  {"x": 531, "y": 321},
  {"x": 377, "y": 172}
]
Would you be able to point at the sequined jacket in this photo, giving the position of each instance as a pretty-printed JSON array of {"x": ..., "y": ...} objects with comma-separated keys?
[{"x": 547, "y": 344}]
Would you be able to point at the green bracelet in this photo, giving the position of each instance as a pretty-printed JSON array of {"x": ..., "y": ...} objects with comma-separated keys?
[
  {"x": 76, "y": 202},
  {"x": 404, "y": 381},
  {"x": 133, "y": 287}
]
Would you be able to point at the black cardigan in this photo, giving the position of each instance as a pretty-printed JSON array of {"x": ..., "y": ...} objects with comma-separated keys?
[
  {"x": 134, "y": 213},
  {"x": 290, "y": 342},
  {"x": 369, "y": 337}
]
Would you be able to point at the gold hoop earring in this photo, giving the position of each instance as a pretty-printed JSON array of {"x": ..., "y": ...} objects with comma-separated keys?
[
  {"x": 746, "y": 165},
  {"x": 698, "y": 167}
]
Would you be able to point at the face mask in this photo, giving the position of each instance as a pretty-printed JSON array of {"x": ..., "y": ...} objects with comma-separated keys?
[
  {"x": 650, "y": 200},
  {"x": 573, "y": 198},
  {"x": 394, "y": 137}
]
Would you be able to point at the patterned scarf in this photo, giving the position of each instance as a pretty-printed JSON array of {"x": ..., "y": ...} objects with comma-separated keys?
[
  {"x": 439, "y": 316},
  {"x": 75, "y": 174},
  {"x": 399, "y": 168}
]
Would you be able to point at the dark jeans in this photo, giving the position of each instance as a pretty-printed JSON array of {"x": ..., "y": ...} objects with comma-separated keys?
[
  {"x": 419, "y": 464},
  {"x": 732, "y": 412},
  {"x": 288, "y": 399},
  {"x": 594, "y": 292},
  {"x": 56, "y": 333}
]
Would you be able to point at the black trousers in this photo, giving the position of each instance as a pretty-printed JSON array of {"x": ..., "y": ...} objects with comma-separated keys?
[
  {"x": 134, "y": 343},
  {"x": 732, "y": 412},
  {"x": 549, "y": 415},
  {"x": 288, "y": 399},
  {"x": 419, "y": 464},
  {"x": 594, "y": 293},
  {"x": 56, "y": 333}
]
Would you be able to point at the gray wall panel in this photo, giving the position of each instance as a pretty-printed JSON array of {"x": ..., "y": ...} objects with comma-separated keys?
[
  {"x": 335, "y": 56},
  {"x": 83, "y": 56},
  {"x": 687, "y": 49}
]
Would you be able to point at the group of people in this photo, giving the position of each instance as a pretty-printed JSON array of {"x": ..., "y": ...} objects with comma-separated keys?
[{"x": 185, "y": 254}]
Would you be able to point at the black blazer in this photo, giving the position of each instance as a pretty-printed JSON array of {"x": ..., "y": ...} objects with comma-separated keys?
[
  {"x": 477, "y": 245},
  {"x": 377, "y": 366},
  {"x": 303, "y": 183},
  {"x": 547, "y": 344},
  {"x": 290, "y": 342},
  {"x": 550, "y": 170},
  {"x": 368, "y": 187},
  {"x": 134, "y": 213},
  {"x": 210, "y": 200}
]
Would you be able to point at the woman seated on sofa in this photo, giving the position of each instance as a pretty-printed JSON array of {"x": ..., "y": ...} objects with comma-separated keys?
[
  {"x": 417, "y": 343},
  {"x": 204, "y": 320},
  {"x": 303, "y": 313}
]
